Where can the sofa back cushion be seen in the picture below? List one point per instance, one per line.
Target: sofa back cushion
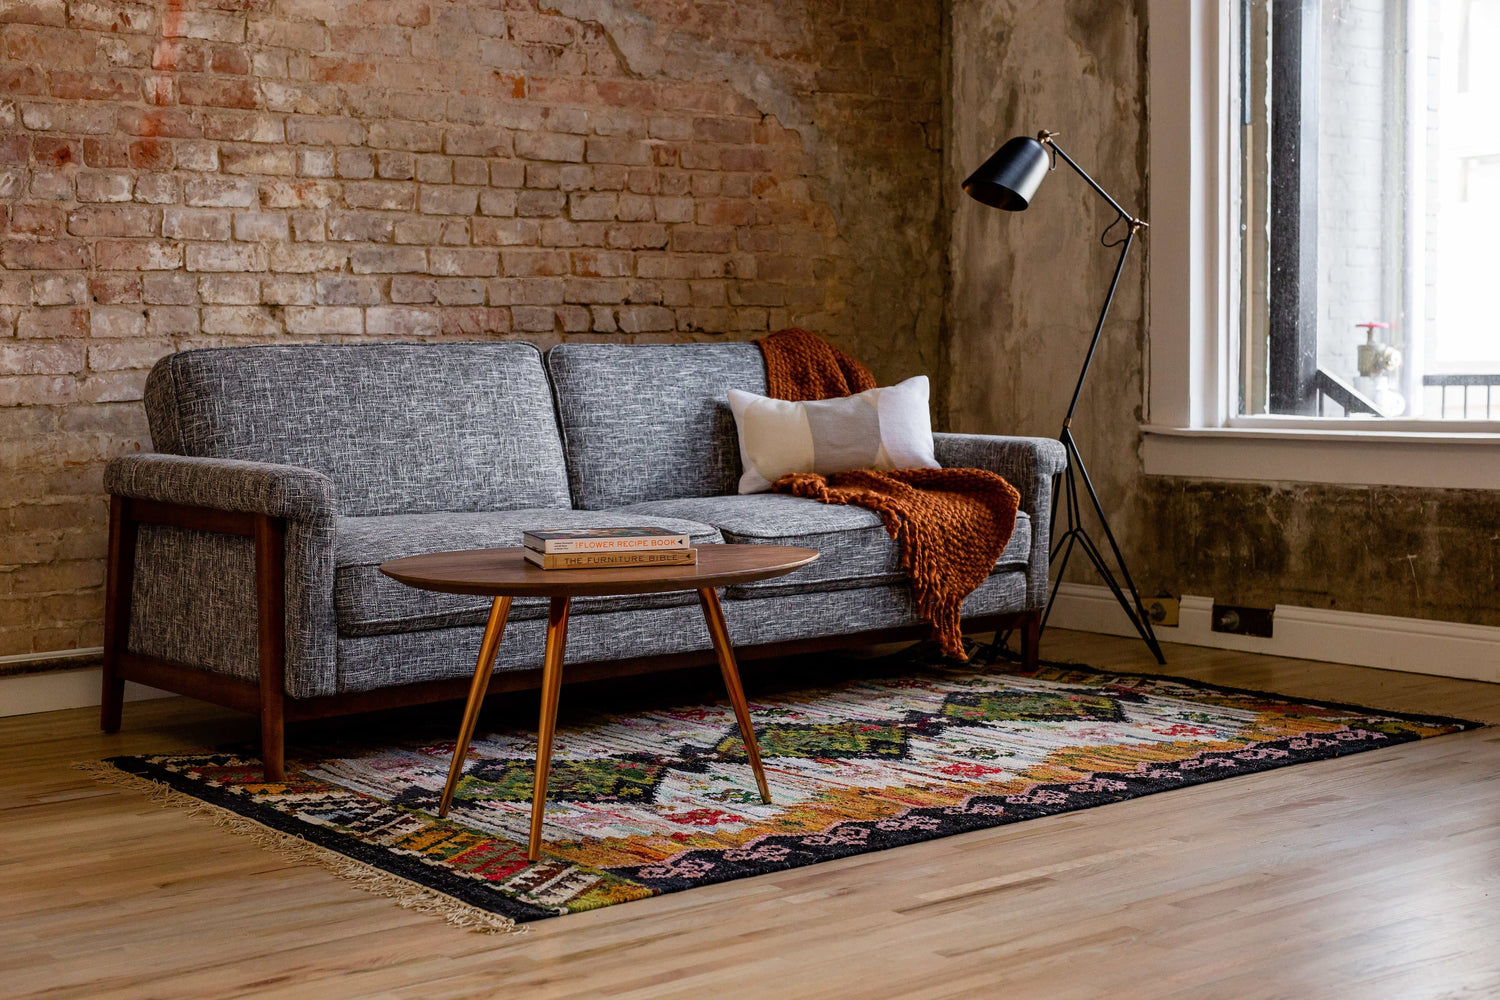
(400, 428)
(651, 421)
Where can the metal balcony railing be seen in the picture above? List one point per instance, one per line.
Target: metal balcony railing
(1467, 396)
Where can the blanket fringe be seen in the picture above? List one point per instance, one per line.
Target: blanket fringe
(408, 895)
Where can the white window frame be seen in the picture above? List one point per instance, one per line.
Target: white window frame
(1191, 429)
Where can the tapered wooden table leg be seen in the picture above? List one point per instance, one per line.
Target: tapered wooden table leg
(488, 648)
(552, 668)
(719, 632)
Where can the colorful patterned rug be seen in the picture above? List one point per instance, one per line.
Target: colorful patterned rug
(658, 801)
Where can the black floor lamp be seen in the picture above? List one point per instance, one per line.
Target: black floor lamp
(1007, 180)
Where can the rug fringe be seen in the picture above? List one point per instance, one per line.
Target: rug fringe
(408, 895)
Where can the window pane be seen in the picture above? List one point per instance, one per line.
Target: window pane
(1369, 158)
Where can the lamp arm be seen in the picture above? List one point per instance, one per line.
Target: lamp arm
(1046, 139)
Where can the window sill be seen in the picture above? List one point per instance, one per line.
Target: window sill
(1451, 460)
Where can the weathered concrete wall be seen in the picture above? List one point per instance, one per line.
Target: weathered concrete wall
(198, 172)
(1027, 286)
(1412, 553)
(1024, 293)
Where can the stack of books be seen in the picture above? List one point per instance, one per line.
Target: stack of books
(595, 548)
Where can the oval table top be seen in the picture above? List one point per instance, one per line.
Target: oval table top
(505, 572)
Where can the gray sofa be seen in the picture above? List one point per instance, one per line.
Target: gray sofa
(245, 552)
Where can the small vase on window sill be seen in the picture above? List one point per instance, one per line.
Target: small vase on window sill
(1378, 365)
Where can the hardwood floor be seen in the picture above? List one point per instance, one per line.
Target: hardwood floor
(1373, 876)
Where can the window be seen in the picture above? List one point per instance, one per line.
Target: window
(1196, 424)
(1365, 151)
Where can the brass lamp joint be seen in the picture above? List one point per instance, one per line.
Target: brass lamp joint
(1045, 137)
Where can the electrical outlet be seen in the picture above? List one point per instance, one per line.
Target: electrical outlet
(1238, 620)
(1162, 610)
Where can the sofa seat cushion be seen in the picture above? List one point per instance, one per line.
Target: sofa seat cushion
(367, 602)
(855, 550)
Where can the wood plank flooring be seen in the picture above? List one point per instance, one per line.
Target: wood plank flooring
(1374, 876)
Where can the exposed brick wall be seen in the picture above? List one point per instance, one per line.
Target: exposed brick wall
(177, 175)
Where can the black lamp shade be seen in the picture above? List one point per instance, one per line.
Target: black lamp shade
(1009, 178)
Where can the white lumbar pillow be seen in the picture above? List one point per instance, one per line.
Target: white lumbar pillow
(882, 428)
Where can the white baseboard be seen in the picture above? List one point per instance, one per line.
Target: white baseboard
(1416, 645)
(53, 690)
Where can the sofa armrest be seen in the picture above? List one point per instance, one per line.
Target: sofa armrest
(1028, 464)
(193, 591)
(286, 491)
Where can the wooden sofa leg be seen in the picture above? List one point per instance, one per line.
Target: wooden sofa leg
(117, 584)
(273, 740)
(270, 591)
(1031, 640)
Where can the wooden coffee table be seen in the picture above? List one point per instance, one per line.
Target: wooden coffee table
(505, 574)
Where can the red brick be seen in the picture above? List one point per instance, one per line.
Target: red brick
(220, 192)
(584, 206)
(692, 239)
(240, 126)
(219, 92)
(106, 153)
(112, 220)
(385, 195)
(346, 291)
(115, 288)
(22, 80)
(388, 260)
(533, 263)
(36, 390)
(225, 257)
(50, 12)
(54, 323)
(71, 86)
(51, 152)
(117, 321)
(324, 319)
(601, 264)
(550, 146)
(731, 130)
(540, 204)
(118, 355)
(164, 123)
(471, 263)
(15, 148)
(195, 224)
(41, 255)
(151, 154)
(230, 60)
(101, 186)
(638, 236)
(42, 357)
(505, 232)
(401, 321)
(448, 200)
(36, 220)
(628, 151)
(258, 160)
(137, 255)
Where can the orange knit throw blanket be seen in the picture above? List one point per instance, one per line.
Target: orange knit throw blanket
(951, 524)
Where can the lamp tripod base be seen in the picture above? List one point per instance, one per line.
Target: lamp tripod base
(1076, 535)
